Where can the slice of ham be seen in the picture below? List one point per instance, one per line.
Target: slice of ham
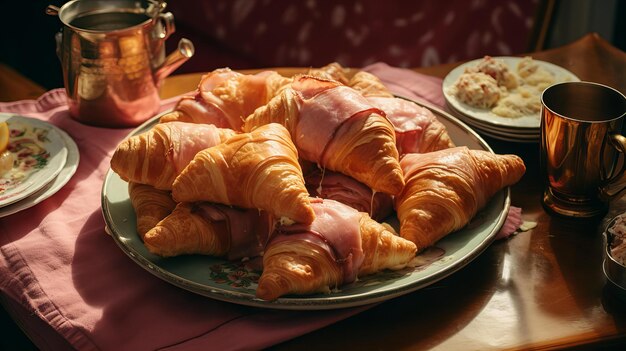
(202, 112)
(324, 107)
(336, 230)
(417, 129)
(349, 191)
(247, 229)
(187, 139)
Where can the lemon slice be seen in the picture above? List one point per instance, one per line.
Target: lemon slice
(4, 136)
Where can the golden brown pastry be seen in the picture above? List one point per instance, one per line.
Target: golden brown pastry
(210, 229)
(335, 127)
(339, 246)
(151, 205)
(251, 170)
(226, 97)
(445, 189)
(157, 156)
(333, 71)
(364, 82)
(369, 85)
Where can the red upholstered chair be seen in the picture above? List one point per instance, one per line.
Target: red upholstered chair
(269, 33)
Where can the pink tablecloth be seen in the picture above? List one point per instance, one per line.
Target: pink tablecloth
(59, 266)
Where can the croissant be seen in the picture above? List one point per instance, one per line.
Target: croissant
(446, 188)
(333, 71)
(340, 245)
(226, 97)
(157, 156)
(417, 129)
(369, 85)
(251, 170)
(335, 127)
(364, 82)
(210, 229)
(151, 205)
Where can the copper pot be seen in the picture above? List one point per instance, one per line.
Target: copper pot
(112, 54)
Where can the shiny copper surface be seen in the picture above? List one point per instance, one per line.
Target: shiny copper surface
(113, 59)
(581, 124)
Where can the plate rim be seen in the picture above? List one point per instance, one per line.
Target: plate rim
(487, 126)
(318, 301)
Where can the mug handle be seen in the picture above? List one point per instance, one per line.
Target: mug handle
(618, 142)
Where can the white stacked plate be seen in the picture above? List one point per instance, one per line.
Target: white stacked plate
(45, 160)
(523, 129)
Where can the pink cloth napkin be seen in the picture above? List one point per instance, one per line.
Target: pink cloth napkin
(58, 264)
(409, 84)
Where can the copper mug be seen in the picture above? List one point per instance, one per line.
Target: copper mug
(582, 148)
(112, 54)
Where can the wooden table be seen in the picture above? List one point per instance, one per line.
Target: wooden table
(541, 289)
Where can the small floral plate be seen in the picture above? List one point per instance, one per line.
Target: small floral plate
(68, 171)
(39, 156)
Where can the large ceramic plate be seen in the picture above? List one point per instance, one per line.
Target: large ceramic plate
(485, 115)
(236, 283)
(68, 170)
(40, 152)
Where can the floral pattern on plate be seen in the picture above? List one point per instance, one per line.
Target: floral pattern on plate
(39, 155)
(30, 155)
(68, 171)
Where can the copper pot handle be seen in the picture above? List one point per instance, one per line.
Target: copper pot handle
(167, 23)
(52, 10)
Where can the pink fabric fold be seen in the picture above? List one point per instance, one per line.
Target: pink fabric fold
(409, 84)
(58, 264)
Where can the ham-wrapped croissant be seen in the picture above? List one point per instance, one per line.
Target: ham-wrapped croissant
(225, 97)
(151, 205)
(259, 169)
(445, 189)
(157, 156)
(339, 246)
(210, 229)
(417, 128)
(335, 127)
(364, 82)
